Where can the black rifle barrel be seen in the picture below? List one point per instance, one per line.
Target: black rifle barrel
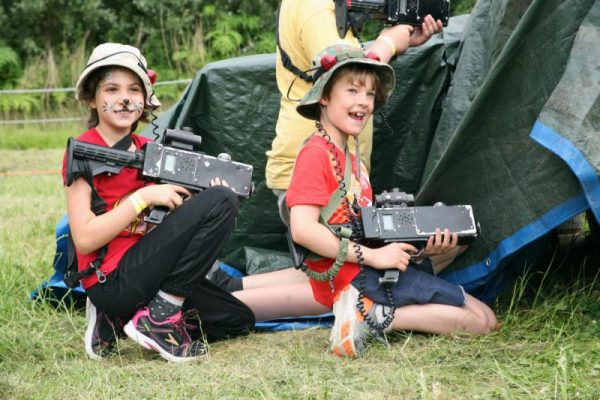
(122, 158)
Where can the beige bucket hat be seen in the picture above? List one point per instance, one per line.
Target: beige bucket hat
(122, 55)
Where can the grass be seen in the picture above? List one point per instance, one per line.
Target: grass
(43, 136)
(39, 136)
(549, 346)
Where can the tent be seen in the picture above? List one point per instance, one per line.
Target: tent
(502, 112)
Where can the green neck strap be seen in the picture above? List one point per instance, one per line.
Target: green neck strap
(338, 196)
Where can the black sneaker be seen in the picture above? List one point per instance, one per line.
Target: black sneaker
(101, 333)
(193, 324)
(169, 338)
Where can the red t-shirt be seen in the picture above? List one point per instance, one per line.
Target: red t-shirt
(313, 183)
(113, 188)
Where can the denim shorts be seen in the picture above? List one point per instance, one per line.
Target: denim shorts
(417, 285)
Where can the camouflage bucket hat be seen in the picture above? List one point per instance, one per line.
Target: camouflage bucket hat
(330, 60)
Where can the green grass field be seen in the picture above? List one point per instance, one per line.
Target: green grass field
(548, 347)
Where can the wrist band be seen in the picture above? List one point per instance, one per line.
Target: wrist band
(138, 202)
(390, 43)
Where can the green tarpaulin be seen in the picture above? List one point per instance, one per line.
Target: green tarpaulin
(233, 105)
(501, 112)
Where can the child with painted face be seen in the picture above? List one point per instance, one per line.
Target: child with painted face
(148, 277)
(343, 274)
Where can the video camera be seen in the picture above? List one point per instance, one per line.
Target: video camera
(393, 218)
(354, 13)
(176, 160)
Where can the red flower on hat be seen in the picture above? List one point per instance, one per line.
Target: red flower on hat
(328, 61)
(152, 76)
(373, 56)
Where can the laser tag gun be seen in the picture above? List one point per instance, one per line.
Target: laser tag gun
(354, 13)
(176, 160)
(393, 218)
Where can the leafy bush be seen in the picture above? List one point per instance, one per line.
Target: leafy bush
(53, 38)
(10, 67)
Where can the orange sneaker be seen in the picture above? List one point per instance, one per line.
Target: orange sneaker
(350, 331)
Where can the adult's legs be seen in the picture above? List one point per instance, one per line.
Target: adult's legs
(286, 300)
(274, 278)
(283, 293)
(277, 294)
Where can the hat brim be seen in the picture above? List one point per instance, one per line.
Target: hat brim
(309, 105)
(151, 100)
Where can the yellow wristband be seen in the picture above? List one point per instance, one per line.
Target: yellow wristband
(138, 202)
(390, 43)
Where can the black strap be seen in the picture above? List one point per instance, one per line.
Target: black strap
(73, 276)
(342, 21)
(98, 203)
(285, 58)
(124, 143)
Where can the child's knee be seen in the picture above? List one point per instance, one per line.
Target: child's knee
(482, 319)
(485, 325)
(477, 324)
(227, 196)
(218, 198)
(490, 316)
(492, 321)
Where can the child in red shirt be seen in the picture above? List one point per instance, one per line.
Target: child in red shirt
(145, 275)
(351, 87)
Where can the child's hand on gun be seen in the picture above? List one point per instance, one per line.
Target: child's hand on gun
(167, 195)
(440, 243)
(393, 255)
(218, 182)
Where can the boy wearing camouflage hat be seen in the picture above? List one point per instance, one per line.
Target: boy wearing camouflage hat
(328, 185)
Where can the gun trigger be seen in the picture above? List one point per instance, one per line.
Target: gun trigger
(419, 257)
(389, 278)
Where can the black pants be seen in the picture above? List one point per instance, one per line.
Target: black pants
(175, 257)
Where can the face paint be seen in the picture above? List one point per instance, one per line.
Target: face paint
(120, 101)
(107, 77)
(138, 107)
(108, 107)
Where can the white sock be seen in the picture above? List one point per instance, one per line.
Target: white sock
(170, 298)
(380, 309)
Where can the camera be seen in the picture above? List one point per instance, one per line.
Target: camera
(395, 12)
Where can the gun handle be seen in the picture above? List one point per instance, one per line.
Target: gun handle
(389, 278)
(157, 214)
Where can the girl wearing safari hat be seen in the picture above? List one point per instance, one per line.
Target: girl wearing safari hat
(141, 279)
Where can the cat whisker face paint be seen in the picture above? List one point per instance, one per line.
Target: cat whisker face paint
(119, 100)
(108, 107)
(127, 107)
